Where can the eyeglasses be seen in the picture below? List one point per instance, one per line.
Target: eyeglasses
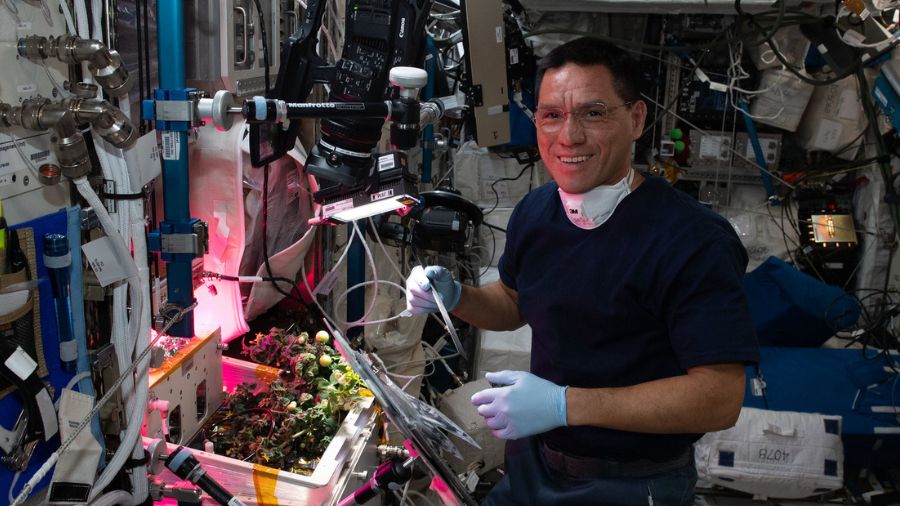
(593, 115)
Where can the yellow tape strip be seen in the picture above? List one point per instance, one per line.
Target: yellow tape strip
(264, 480)
(266, 374)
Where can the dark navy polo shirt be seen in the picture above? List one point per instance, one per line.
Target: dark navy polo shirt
(655, 290)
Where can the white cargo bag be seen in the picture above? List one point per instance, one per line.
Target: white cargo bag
(780, 454)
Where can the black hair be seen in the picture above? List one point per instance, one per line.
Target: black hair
(586, 51)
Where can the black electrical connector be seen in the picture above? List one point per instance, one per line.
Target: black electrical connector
(183, 463)
(391, 471)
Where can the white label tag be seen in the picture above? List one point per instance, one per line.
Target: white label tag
(341, 205)
(828, 134)
(849, 107)
(171, 145)
(498, 34)
(21, 363)
(100, 255)
(385, 162)
(36, 148)
(26, 88)
(489, 185)
(710, 146)
(382, 194)
(73, 407)
(147, 151)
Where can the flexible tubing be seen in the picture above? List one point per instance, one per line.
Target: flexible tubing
(78, 377)
(375, 282)
(114, 498)
(129, 210)
(139, 243)
(81, 20)
(130, 333)
(97, 11)
(67, 13)
(371, 259)
(134, 419)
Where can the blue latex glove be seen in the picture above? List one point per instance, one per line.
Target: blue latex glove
(421, 285)
(528, 405)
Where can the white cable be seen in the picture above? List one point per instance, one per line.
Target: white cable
(59, 89)
(704, 132)
(346, 250)
(71, 385)
(428, 360)
(141, 485)
(141, 361)
(67, 13)
(131, 225)
(397, 270)
(443, 360)
(12, 486)
(420, 495)
(81, 20)
(309, 289)
(133, 430)
(97, 12)
(135, 417)
(24, 158)
(371, 258)
(363, 321)
(403, 498)
(384, 250)
(736, 73)
(122, 336)
(343, 325)
(114, 498)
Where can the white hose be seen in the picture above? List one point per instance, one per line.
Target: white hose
(84, 31)
(71, 384)
(124, 342)
(81, 20)
(129, 334)
(139, 242)
(75, 379)
(135, 415)
(371, 259)
(97, 11)
(67, 13)
(114, 498)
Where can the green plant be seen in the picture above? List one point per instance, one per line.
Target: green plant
(289, 424)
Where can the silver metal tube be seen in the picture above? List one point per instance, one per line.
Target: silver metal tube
(64, 119)
(109, 23)
(105, 64)
(106, 119)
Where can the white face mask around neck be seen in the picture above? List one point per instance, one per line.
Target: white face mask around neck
(591, 209)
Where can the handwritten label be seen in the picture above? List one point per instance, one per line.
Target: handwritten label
(148, 157)
(101, 256)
